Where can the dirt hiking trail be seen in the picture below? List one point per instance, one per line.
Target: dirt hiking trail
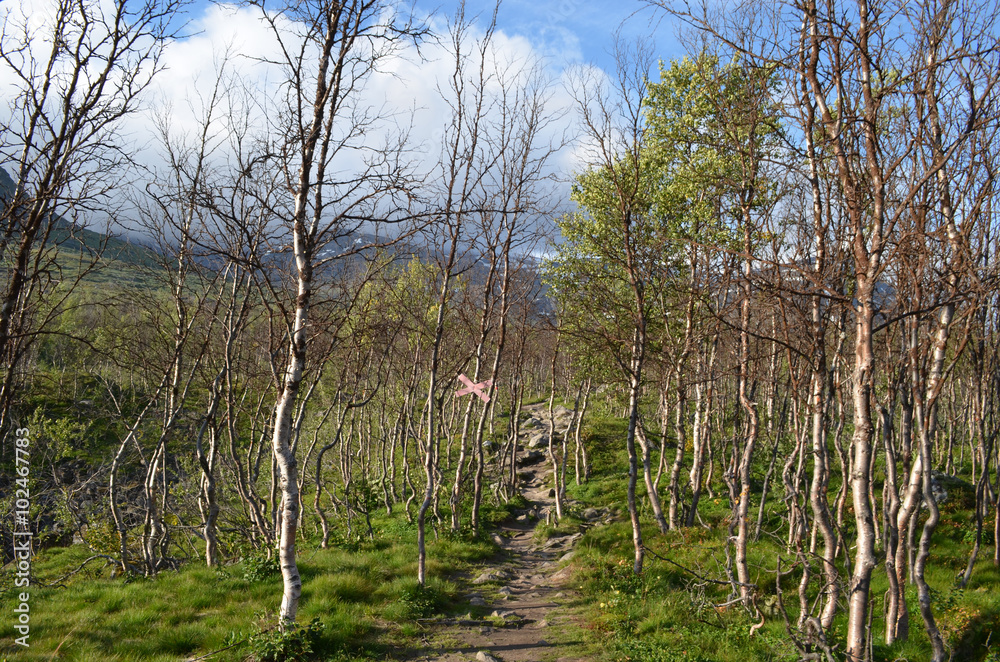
(523, 607)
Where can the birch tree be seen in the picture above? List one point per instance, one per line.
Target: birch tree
(326, 51)
(856, 66)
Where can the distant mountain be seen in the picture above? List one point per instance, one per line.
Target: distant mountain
(127, 262)
(79, 246)
(6, 185)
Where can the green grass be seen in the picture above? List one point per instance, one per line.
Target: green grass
(670, 613)
(365, 596)
(367, 601)
(569, 525)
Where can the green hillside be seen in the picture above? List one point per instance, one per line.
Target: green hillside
(100, 257)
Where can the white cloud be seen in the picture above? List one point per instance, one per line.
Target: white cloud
(405, 91)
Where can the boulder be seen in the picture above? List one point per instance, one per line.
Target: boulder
(539, 440)
(938, 487)
(597, 514)
(563, 575)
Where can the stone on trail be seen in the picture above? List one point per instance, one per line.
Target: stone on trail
(562, 541)
(493, 575)
(531, 457)
(483, 656)
(563, 574)
(539, 440)
(503, 613)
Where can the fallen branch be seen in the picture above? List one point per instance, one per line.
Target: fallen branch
(698, 575)
(59, 582)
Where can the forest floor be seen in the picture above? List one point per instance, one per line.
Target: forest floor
(522, 607)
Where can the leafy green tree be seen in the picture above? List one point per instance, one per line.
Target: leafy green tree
(621, 248)
(678, 172)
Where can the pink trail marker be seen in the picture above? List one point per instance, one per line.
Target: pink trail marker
(479, 389)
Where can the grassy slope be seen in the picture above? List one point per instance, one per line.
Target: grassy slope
(365, 595)
(76, 248)
(366, 598)
(107, 260)
(668, 614)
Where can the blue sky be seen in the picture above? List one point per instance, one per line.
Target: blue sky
(577, 31)
(566, 31)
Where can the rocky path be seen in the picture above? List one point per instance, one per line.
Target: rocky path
(522, 608)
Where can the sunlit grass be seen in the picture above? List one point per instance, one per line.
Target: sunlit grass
(672, 612)
(363, 593)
